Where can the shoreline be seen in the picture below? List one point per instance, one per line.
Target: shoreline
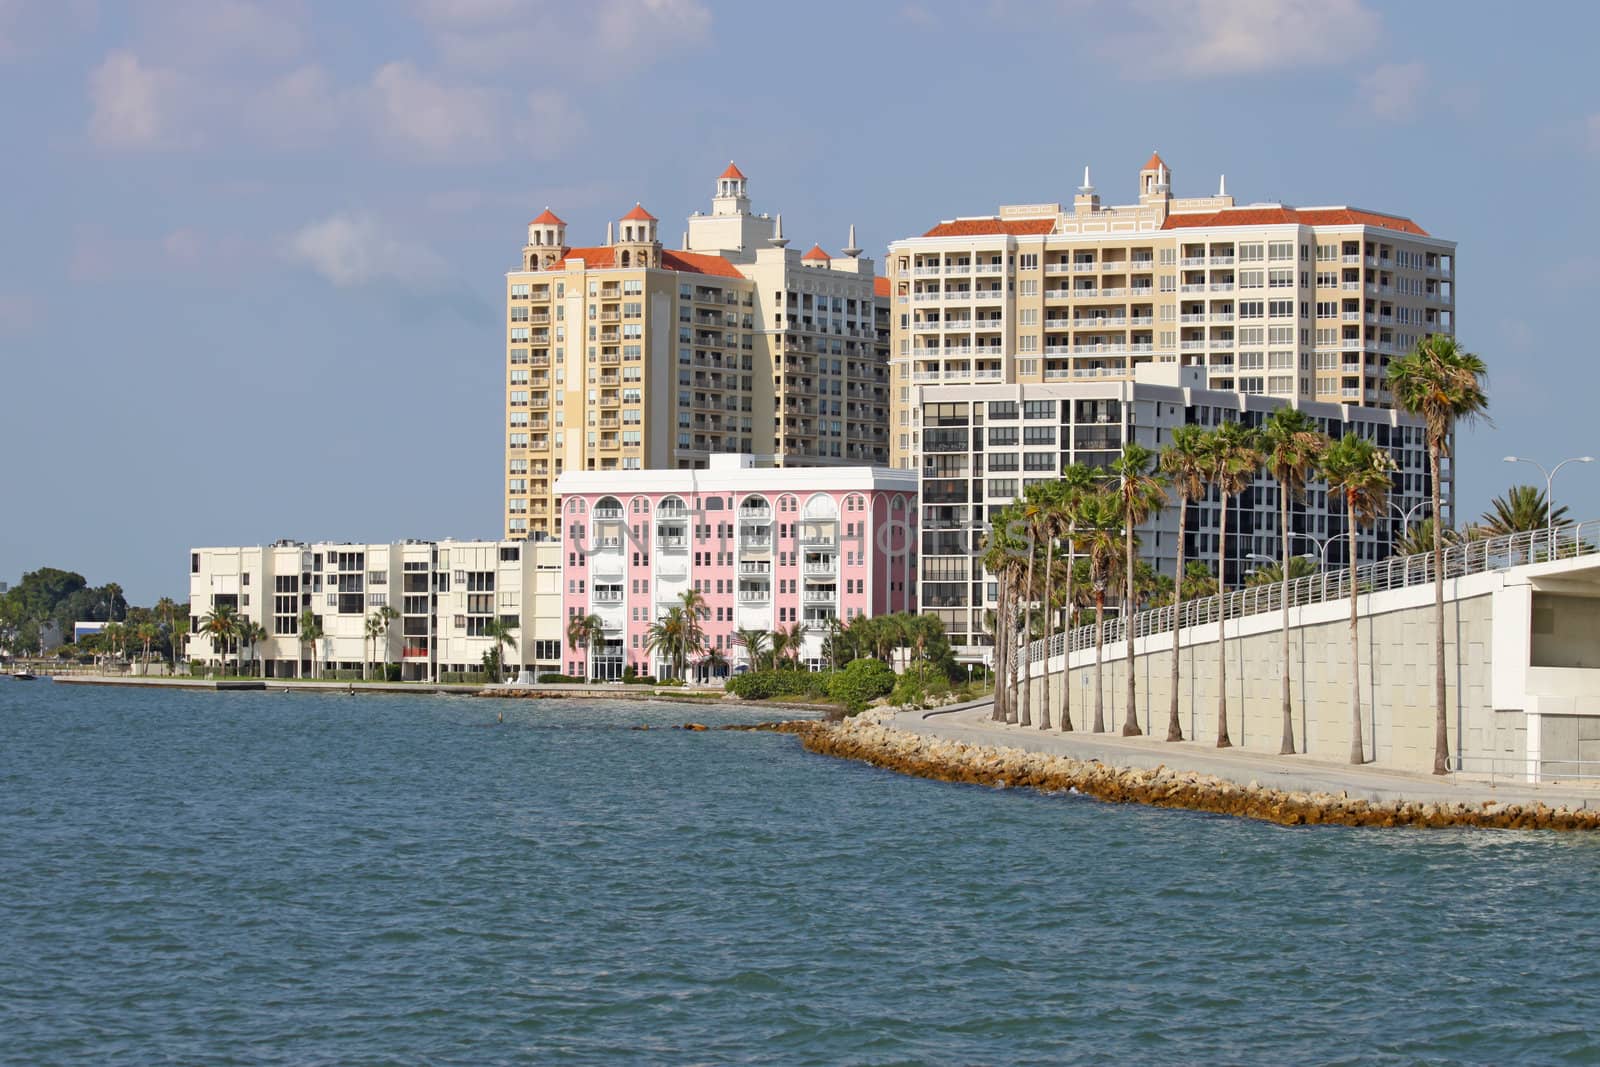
(671, 694)
(877, 739)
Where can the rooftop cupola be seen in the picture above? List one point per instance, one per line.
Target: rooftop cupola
(637, 242)
(547, 236)
(733, 196)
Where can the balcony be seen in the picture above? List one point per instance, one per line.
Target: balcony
(755, 568)
(603, 514)
(761, 542)
(755, 595)
(671, 542)
(757, 513)
(608, 596)
(822, 565)
(821, 596)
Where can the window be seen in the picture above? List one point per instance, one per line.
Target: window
(1250, 309)
(1250, 253)
(1277, 250)
(1280, 279)
(1251, 279)
(1280, 309)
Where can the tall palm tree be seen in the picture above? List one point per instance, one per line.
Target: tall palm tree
(1077, 479)
(676, 637)
(1445, 384)
(1235, 458)
(147, 632)
(221, 623)
(1034, 512)
(386, 615)
(310, 634)
(1140, 494)
(167, 609)
(757, 645)
(251, 633)
(1292, 445)
(1359, 470)
(370, 631)
(1001, 547)
(1099, 524)
(1186, 461)
(1521, 510)
(1272, 574)
(502, 631)
(587, 632)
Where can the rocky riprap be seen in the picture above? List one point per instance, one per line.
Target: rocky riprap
(865, 738)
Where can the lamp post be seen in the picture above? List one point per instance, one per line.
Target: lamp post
(1405, 516)
(1549, 490)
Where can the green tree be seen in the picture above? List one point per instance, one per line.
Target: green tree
(1359, 471)
(1235, 457)
(502, 630)
(1523, 509)
(1419, 539)
(310, 634)
(675, 637)
(251, 634)
(1187, 462)
(1077, 481)
(1444, 384)
(757, 645)
(587, 632)
(1099, 526)
(1003, 548)
(1272, 574)
(1292, 446)
(1140, 494)
(167, 610)
(221, 624)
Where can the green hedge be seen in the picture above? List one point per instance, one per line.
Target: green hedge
(464, 678)
(561, 679)
(764, 685)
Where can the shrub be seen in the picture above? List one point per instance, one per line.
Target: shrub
(764, 685)
(561, 679)
(637, 679)
(909, 692)
(673, 681)
(862, 682)
(391, 672)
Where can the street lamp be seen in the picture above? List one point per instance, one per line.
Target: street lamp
(1549, 485)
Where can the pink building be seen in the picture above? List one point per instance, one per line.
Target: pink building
(766, 547)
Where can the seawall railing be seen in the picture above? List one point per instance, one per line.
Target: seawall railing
(1397, 572)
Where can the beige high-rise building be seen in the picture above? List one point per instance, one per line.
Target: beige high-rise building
(630, 355)
(1297, 303)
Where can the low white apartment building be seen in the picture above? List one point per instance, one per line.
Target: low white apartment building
(444, 593)
(983, 445)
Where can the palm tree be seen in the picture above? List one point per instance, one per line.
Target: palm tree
(1445, 385)
(502, 631)
(1291, 445)
(1139, 495)
(675, 637)
(1419, 539)
(1272, 574)
(385, 615)
(1002, 548)
(373, 627)
(1523, 509)
(587, 632)
(221, 623)
(310, 634)
(1034, 513)
(167, 608)
(147, 632)
(757, 645)
(1187, 462)
(1099, 523)
(1198, 581)
(1077, 480)
(713, 663)
(251, 633)
(1235, 457)
(1358, 469)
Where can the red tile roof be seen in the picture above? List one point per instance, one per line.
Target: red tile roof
(603, 257)
(638, 214)
(983, 227)
(1267, 216)
(880, 286)
(732, 172)
(817, 253)
(547, 218)
(1155, 162)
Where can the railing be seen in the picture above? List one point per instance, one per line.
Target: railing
(1396, 572)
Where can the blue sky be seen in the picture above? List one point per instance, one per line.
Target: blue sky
(255, 251)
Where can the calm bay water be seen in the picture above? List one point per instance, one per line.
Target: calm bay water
(285, 878)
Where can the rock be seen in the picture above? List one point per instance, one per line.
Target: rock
(695, 726)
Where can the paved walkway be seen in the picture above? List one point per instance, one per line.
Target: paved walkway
(1297, 773)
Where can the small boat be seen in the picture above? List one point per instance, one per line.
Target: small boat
(23, 676)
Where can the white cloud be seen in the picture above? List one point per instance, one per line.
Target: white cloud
(133, 105)
(1204, 38)
(350, 250)
(419, 113)
(1394, 91)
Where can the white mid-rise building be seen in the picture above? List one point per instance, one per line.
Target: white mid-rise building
(445, 595)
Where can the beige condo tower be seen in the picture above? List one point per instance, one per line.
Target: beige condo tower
(629, 355)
